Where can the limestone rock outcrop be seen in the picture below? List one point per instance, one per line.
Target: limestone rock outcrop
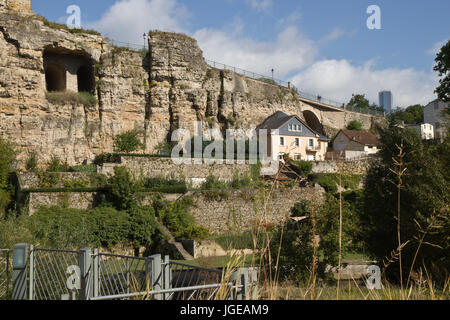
(154, 92)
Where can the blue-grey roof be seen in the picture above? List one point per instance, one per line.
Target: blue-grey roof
(279, 118)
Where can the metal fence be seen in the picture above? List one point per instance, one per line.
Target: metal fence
(89, 275)
(50, 272)
(309, 96)
(118, 274)
(5, 274)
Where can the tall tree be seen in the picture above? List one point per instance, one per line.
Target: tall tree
(359, 101)
(443, 68)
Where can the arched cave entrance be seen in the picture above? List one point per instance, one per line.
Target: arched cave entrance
(55, 77)
(313, 122)
(85, 79)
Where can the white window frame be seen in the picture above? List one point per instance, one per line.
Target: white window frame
(297, 142)
(281, 156)
(297, 157)
(282, 141)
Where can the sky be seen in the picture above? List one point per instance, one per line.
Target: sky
(323, 47)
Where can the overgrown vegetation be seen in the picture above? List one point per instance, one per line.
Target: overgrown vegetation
(128, 142)
(69, 97)
(55, 25)
(355, 125)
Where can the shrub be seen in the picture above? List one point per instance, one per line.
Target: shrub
(7, 158)
(127, 142)
(355, 125)
(240, 183)
(296, 251)
(180, 223)
(60, 228)
(56, 165)
(302, 168)
(109, 226)
(31, 162)
(213, 183)
(144, 229)
(123, 188)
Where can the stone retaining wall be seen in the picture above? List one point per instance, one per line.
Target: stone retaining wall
(245, 208)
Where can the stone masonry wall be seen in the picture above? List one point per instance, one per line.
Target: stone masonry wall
(243, 209)
(166, 168)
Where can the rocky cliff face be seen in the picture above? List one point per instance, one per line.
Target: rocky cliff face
(152, 92)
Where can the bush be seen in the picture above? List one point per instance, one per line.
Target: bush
(144, 229)
(302, 168)
(180, 223)
(355, 125)
(123, 189)
(213, 183)
(109, 226)
(127, 142)
(56, 165)
(296, 252)
(31, 162)
(61, 228)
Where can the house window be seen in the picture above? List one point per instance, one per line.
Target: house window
(281, 141)
(281, 156)
(297, 142)
(297, 157)
(290, 127)
(311, 143)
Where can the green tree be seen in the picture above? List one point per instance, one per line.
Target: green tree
(359, 101)
(127, 142)
(443, 68)
(7, 158)
(295, 255)
(411, 115)
(355, 125)
(424, 202)
(123, 188)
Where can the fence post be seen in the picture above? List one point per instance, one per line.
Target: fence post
(236, 280)
(95, 274)
(167, 279)
(31, 281)
(19, 274)
(156, 273)
(85, 264)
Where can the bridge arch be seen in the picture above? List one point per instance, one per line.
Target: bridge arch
(313, 121)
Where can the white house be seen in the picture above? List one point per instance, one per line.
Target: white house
(292, 136)
(425, 130)
(432, 115)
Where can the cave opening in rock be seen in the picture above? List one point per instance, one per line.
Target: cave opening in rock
(85, 79)
(55, 77)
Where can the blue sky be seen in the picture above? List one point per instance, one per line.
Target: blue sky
(322, 46)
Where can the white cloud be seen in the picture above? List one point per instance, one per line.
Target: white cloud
(290, 52)
(339, 79)
(335, 34)
(127, 20)
(260, 5)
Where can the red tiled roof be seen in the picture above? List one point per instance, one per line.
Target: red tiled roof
(362, 137)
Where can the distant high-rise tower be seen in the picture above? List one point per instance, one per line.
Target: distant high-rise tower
(386, 100)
